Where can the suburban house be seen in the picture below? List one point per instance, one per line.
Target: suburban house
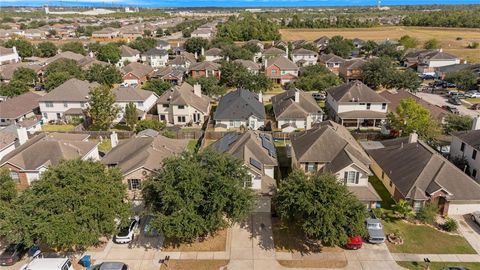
(29, 160)
(259, 156)
(131, 33)
(251, 66)
(129, 55)
(441, 72)
(19, 108)
(466, 144)
(184, 104)
(303, 57)
(396, 96)
(272, 53)
(213, 54)
(202, 33)
(240, 108)
(413, 171)
(322, 42)
(140, 156)
(332, 62)
(356, 105)
(67, 55)
(185, 60)
(281, 70)
(330, 148)
(163, 45)
(427, 61)
(7, 70)
(174, 75)
(351, 70)
(155, 58)
(260, 46)
(143, 100)
(136, 73)
(105, 33)
(204, 69)
(11, 137)
(8, 55)
(67, 100)
(295, 109)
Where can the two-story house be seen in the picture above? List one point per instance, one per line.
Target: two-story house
(136, 73)
(105, 34)
(19, 108)
(271, 53)
(303, 57)
(281, 70)
(155, 58)
(184, 60)
(330, 148)
(332, 62)
(204, 69)
(466, 145)
(140, 156)
(29, 160)
(250, 65)
(129, 55)
(68, 99)
(9, 55)
(295, 109)
(240, 108)
(213, 54)
(429, 62)
(356, 105)
(352, 70)
(259, 156)
(143, 100)
(184, 104)
(174, 75)
(163, 45)
(322, 42)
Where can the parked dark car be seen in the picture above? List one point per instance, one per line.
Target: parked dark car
(319, 96)
(427, 77)
(454, 101)
(12, 254)
(455, 268)
(475, 107)
(451, 109)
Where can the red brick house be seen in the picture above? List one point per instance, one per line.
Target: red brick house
(204, 69)
(281, 70)
(136, 73)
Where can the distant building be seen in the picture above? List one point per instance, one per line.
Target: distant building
(8, 55)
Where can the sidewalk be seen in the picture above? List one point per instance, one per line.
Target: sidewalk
(436, 257)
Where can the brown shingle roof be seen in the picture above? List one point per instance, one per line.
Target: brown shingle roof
(18, 106)
(205, 65)
(184, 95)
(283, 63)
(126, 51)
(123, 94)
(73, 90)
(137, 69)
(355, 90)
(285, 107)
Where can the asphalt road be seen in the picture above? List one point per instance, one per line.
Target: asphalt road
(441, 100)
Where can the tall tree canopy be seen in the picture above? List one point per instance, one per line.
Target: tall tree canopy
(197, 194)
(236, 75)
(102, 109)
(463, 79)
(109, 53)
(322, 206)
(60, 71)
(195, 45)
(46, 49)
(74, 46)
(457, 122)
(104, 74)
(247, 27)
(210, 86)
(339, 46)
(24, 47)
(316, 78)
(71, 206)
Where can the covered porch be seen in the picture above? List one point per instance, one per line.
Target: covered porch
(362, 119)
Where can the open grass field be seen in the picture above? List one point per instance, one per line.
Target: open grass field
(446, 36)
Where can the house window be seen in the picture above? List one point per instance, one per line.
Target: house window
(362, 104)
(310, 167)
(368, 106)
(391, 184)
(162, 117)
(383, 175)
(417, 205)
(65, 104)
(384, 106)
(180, 107)
(181, 119)
(82, 104)
(274, 72)
(134, 184)
(140, 104)
(462, 147)
(474, 173)
(474, 154)
(351, 177)
(165, 105)
(49, 104)
(231, 123)
(247, 182)
(15, 177)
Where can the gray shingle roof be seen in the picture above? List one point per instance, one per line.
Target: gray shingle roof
(249, 64)
(239, 105)
(137, 69)
(72, 90)
(355, 90)
(184, 95)
(303, 51)
(131, 94)
(285, 107)
(205, 65)
(18, 106)
(471, 137)
(128, 52)
(283, 63)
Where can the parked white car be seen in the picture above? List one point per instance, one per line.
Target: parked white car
(127, 234)
(476, 217)
(473, 94)
(40, 263)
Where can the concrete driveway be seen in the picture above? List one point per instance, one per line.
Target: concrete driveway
(470, 230)
(439, 100)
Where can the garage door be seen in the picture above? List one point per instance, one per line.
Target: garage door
(462, 209)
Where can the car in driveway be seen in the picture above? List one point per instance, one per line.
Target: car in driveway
(12, 254)
(319, 96)
(475, 216)
(127, 233)
(473, 94)
(454, 101)
(475, 107)
(451, 109)
(455, 268)
(376, 235)
(110, 266)
(354, 242)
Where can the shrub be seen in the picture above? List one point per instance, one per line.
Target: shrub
(149, 124)
(427, 214)
(450, 225)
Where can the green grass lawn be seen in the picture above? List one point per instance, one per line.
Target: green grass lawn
(192, 145)
(422, 239)
(387, 200)
(53, 128)
(473, 100)
(438, 265)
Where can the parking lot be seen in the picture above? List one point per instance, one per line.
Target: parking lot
(440, 101)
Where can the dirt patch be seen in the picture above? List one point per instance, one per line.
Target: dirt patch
(312, 263)
(194, 264)
(217, 242)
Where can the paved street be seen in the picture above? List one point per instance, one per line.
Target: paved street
(440, 101)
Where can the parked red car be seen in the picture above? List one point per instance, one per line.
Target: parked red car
(354, 242)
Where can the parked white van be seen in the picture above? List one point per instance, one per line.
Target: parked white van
(49, 264)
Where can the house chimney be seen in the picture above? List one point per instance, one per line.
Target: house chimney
(114, 139)
(440, 50)
(22, 135)
(260, 97)
(203, 51)
(476, 123)
(297, 95)
(413, 138)
(286, 51)
(197, 90)
(196, 55)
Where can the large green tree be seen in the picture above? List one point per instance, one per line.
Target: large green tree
(406, 79)
(411, 116)
(321, 206)
(431, 44)
(210, 86)
(26, 75)
(24, 47)
(46, 49)
(13, 88)
(103, 74)
(109, 53)
(197, 194)
(102, 110)
(143, 44)
(457, 122)
(247, 27)
(74, 46)
(339, 46)
(316, 78)
(8, 191)
(60, 71)
(408, 42)
(463, 79)
(195, 45)
(130, 115)
(378, 72)
(157, 86)
(236, 75)
(71, 206)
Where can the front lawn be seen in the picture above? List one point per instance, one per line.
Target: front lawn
(387, 200)
(438, 265)
(473, 100)
(194, 264)
(61, 128)
(213, 243)
(192, 146)
(422, 239)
